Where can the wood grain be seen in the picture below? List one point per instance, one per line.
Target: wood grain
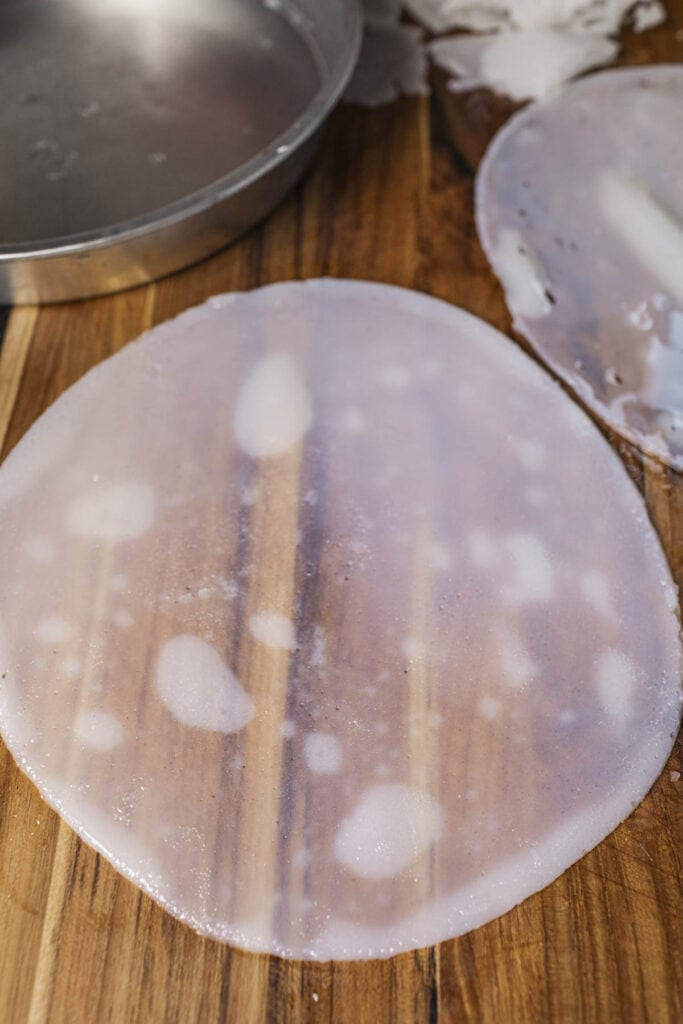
(390, 199)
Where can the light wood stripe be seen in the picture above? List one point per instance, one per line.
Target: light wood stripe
(13, 356)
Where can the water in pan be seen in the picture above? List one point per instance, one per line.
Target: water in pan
(114, 109)
(315, 623)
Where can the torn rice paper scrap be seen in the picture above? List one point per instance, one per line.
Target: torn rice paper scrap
(529, 49)
(591, 17)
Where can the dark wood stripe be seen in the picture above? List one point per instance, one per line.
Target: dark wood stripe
(4, 317)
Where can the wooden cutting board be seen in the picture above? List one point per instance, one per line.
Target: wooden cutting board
(389, 199)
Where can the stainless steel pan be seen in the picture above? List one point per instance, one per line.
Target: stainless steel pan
(138, 136)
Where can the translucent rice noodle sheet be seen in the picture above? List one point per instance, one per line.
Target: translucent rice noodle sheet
(580, 211)
(331, 621)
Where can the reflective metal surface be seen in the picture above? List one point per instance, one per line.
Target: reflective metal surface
(140, 135)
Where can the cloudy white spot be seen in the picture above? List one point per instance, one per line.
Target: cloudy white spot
(123, 619)
(98, 730)
(439, 557)
(482, 549)
(517, 667)
(287, 729)
(273, 629)
(533, 577)
(390, 827)
(615, 680)
(71, 668)
(118, 511)
(53, 630)
(39, 549)
(198, 688)
(489, 708)
(273, 408)
(353, 421)
(323, 753)
(596, 591)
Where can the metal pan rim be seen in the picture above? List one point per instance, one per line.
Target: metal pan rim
(241, 178)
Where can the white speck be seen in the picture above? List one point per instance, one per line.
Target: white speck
(315, 997)
(323, 753)
(481, 549)
(615, 681)
(98, 730)
(71, 668)
(640, 318)
(301, 858)
(530, 452)
(533, 575)
(204, 593)
(273, 629)
(391, 825)
(412, 648)
(318, 656)
(489, 707)
(117, 511)
(395, 378)
(439, 557)
(118, 583)
(39, 549)
(229, 588)
(198, 688)
(595, 590)
(274, 408)
(310, 497)
(517, 667)
(288, 729)
(675, 776)
(249, 495)
(123, 619)
(156, 159)
(353, 420)
(53, 630)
